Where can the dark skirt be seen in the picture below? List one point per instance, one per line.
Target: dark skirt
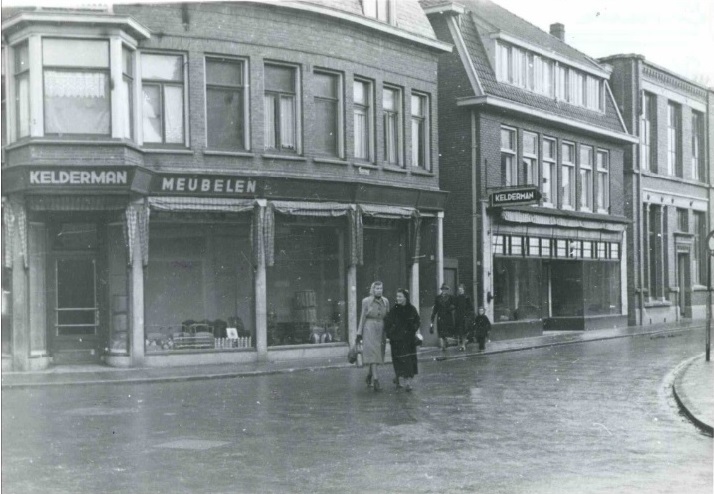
(404, 358)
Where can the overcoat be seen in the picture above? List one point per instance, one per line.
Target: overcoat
(463, 314)
(443, 312)
(401, 326)
(371, 327)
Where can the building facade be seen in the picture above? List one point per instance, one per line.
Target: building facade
(520, 110)
(668, 184)
(214, 182)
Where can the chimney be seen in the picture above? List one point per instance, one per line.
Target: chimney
(558, 30)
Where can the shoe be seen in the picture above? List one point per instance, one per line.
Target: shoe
(377, 387)
(396, 382)
(369, 379)
(408, 388)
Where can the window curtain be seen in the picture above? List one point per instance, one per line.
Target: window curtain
(287, 122)
(76, 102)
(14, 222)
(361, 141)
(269, 108)
(23, 106)
(173, 109)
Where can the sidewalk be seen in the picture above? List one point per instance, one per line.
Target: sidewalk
(694, 393)
(98, 374)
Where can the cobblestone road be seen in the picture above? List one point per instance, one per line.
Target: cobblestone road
(583, 418)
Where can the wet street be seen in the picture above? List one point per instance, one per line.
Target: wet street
(583, 418)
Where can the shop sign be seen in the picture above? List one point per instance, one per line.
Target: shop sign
(515, 196)
(213, 185)
(79, 177)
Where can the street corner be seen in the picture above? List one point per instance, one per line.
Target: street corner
(693, 392)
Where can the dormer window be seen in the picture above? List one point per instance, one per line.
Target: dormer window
(382, 10)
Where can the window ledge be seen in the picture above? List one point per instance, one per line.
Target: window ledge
(284, 157)
(394, 169)
(167, 151)
(657, 303)
(371, 166)
(699, 288)
(423, 173)
(211, 152)
(331, 161)
(73, 142)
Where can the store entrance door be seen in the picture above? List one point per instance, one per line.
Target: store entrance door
(684, 287)
(74, 317)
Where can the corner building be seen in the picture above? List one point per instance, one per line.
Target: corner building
(668, 188)
(201, 183)
(519, 108)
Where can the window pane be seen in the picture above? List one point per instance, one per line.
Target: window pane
(418, 105)
(326, 126)
(507, 139)
(162, 67)
(287, 122)
(127, 107)
(548, 149)
(586, 156)
(360, 93)
(517, 289)
(567, 152)
(567, 185)
(361, 135)
(22, 95)
(173, 107)
(127, 61)
(417, 142)
(279, 78)
(152, 114)
(76, 102)
(530, 144)
(389, 99)
(224, 73)
(270, 102)
(75, 53)
(602, 161)
(325, 85)
(224, 110)
(22, 58)
(391, 137)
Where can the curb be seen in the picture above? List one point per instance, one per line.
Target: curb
(679, 372)
(289, 370)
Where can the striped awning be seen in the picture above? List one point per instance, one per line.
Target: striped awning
(202, 204)
(391, 212)
(545, 220)
(75, 203)
(305, 208)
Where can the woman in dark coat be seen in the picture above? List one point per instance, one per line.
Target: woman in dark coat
(402, 324)
(482, 326)
(443, 312)
(463, 316)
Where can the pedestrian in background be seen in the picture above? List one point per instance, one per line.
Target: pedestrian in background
(482, 325)
(371, 331)
(463, 315)
(443, 312)
(401, 325)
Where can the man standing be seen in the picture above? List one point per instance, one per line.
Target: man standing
(443, 312)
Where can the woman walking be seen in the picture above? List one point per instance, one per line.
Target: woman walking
(443, 312)
(371, 331)
(483, 326)
(463, 316)
(402, 324)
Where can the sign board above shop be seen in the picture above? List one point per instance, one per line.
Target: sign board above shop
(514, 196)
(75, 179)
(212, 185)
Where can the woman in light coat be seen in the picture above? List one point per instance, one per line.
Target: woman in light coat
(371, 331)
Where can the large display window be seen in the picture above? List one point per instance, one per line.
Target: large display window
(199, 290)
(306, 286)
(384, 259)
(590, 288)
(518, 287)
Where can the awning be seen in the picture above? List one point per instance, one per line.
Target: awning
(202, 204)
(75, 203)
(545, 220)
(305, 208)
(390, 212)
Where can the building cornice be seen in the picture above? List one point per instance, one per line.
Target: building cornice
(125, 23)
(496, 102)
(673, 81)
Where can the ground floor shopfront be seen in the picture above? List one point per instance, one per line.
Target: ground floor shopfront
(553, 272)
(159, 280)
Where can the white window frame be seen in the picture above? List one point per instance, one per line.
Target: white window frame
(602, 202)
(298, 107)
(381, 10)
(586, 178)
(245, 87)
(369, 115)
(399, 93)
(646, 127)
(340, 151)
(510, 170)
(13, 112)
(530, 161)
(568, 166)
(550, 163)
(426, 119)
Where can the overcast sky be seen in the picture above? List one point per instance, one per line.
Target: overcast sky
(678, 35)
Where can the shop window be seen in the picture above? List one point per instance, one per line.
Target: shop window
(517, 289)
(533, 246)
(549, 187)
(674, 139)
(601, 288)
(226, 103)
(509, 171)
(76, 86)
(587, 250)
(603, 181)
(498, 244)
(530, 170)
(281, 107)
(567, 192)
(22, 89)
(328, 113)
(516, 246)
(384, 259)
(575, 249)
(420, 131)
(162, 79)
(363, 120)
(392, 107)
(74, 236)
(561, 248)
(306, 285)
(614, 251)
(199, 283)
(567, 288)
(586, 178)
(601, 250)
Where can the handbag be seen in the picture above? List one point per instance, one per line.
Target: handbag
(352, 354)
(418, 339)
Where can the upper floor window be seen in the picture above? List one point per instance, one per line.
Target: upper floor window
(698, 171)
(281, 123)
(328, 113)
(530, 158)
(509, 171)
(579, 89)
(603, 181)
(127, 66)
(550, 174)
(363, 119)
(674, 139)
(226, 108)
(649, 110)
(567, 174)
(420, 131)
(521, 68)
(392, 107)
(586, 178)
(162, 81)
(76, 86)
(683, 220)
(382, 10)
(22, 89)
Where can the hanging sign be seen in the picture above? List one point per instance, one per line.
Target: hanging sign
(515, 196)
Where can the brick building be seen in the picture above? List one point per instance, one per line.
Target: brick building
(667, 189)
(520, 109)
(214, 182)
